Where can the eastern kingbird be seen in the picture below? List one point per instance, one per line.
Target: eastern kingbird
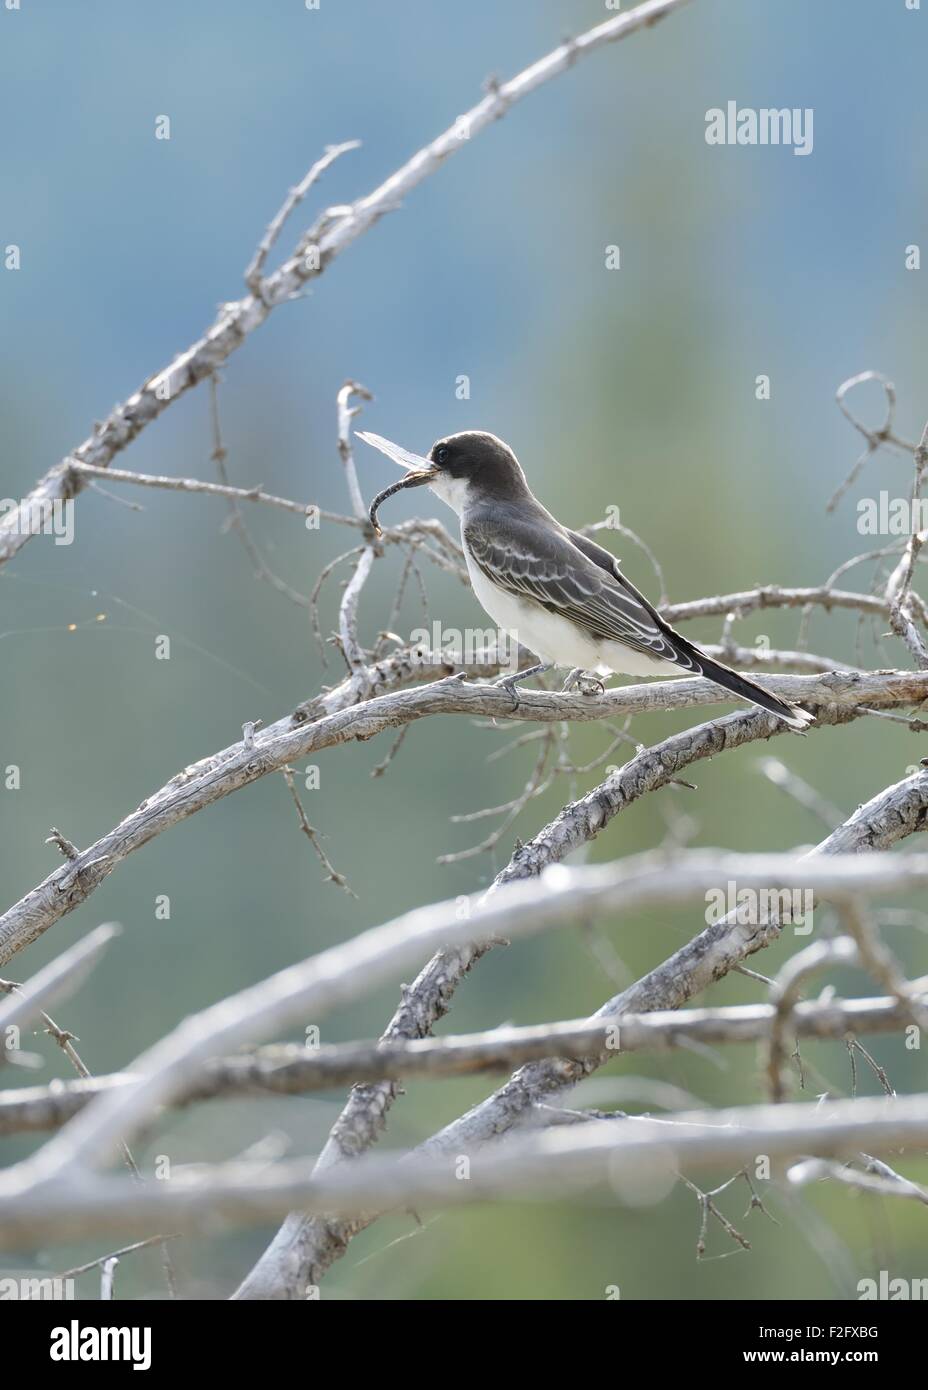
(553, 590)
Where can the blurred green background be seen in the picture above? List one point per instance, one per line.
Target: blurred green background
(633, 388)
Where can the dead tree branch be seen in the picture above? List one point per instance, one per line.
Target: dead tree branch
(292, 1069)
(612, 1156)
(316, 249)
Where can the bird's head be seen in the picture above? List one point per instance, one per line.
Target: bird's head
(456, 467)
(474, 461)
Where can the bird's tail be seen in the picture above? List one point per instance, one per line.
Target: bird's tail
(731, 680)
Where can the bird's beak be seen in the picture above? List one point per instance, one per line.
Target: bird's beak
(419, 471)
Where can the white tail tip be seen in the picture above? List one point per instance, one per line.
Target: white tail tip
(799, 719)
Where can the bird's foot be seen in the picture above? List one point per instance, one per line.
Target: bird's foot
(587, 682)
(509, 683)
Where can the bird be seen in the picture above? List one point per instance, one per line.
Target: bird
(553, 590)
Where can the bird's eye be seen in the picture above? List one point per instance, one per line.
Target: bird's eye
(441, 455)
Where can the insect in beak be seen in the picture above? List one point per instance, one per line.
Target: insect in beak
(419, 471)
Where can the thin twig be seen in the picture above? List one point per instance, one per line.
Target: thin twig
(332, 874)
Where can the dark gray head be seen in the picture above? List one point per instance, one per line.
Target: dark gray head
(476, 458)
(458, 468)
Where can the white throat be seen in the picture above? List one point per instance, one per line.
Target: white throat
(453, 491)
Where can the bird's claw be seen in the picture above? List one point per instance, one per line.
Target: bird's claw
(586, 683)
(508, 684)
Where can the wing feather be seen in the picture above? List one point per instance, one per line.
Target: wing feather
(544, 564)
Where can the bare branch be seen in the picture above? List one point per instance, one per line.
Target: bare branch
(785, 994)
(899, 588)
(305, 1247)
(314, 838)
(316, 986)
(55, 981)
(883, 1181)
(875, 438)
(254, 275)
(314, 253)
(197, 485)
(560, 1162)
(888, 817)
(292, 1069)
(771, 596)
(346, 413)
(881, 964)
(837, 698)
(112, 1255)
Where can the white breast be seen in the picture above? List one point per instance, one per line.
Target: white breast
(551, 637)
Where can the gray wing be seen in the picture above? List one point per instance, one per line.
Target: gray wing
(547, 564)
